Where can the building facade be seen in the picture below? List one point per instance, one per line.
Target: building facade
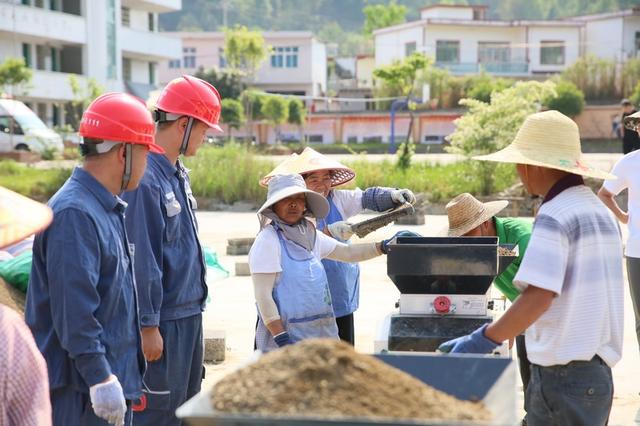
(462, 40)
(115, 42)
(295, 65)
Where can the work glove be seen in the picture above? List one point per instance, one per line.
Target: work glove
(107, 400)
(341, 230)
(474, 343)
(283, 339)
(401, 196)
(384, 244)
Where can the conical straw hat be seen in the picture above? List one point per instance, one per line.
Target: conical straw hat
(465, 213)
(310, 161)
(632, 122)
(548, 139)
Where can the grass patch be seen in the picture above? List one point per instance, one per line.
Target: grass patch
(34, 183)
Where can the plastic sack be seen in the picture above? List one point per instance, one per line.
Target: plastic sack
(16, 271)
(215, 271)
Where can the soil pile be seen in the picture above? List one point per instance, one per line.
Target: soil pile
(327, 378)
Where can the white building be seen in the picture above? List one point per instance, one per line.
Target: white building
(297, 63)
(116, 42)
(461, 39)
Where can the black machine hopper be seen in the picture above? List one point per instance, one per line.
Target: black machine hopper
(445, 265)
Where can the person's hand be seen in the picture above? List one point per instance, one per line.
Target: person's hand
(384, 244)
(401, 196)
(340, 230)
(107, 401)
(474, 343)
(152, 343)
(624, 218)
(283, 339)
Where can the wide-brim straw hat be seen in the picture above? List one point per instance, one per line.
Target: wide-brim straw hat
(548, 139)
(632, 122)
(466, 213)
(283, 186)
(20, 217)
(310, 161)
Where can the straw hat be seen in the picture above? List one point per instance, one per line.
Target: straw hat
(283, 186)
(632, 122)
(548, 139)
(465, 213)
(20, 217)
(310, 161)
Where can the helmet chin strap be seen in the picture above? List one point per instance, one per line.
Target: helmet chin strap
(186, 136)
(126, 177)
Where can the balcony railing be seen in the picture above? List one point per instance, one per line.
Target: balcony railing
(150, 45)
(501, 68)
(42, 24)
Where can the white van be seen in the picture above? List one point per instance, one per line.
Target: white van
(22, 129)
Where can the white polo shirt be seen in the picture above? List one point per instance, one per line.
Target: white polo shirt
(627, 169)
(575, 251)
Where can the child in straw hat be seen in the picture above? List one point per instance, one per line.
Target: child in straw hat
(628, 173)
(571, 281)
(24, 393)
(290, 284)
(469, 217)
(323, 175)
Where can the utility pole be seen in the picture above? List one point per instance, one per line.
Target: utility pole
(225, 10)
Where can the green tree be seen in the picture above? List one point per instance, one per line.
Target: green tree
(15, 75)
(635, 96)
(82, 97)
(228, 82)
(400, 77)
(568, 99)
(629, 77)
(380, 16)
(297, 116)
(253, 101)
(489, 127)
(232, 114)
(481, 86)
(595, 77)
(276, 111)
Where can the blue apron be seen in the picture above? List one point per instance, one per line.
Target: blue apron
(344, 278)
(302, 297)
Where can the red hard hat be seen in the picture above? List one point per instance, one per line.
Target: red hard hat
(119, 117)
(193, 97)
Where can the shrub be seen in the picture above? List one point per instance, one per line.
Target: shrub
(569, 100)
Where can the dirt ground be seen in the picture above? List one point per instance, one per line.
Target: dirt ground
(232, 308)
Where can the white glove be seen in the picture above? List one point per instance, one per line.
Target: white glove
(107, 400)
(341, 230)
(401, 196)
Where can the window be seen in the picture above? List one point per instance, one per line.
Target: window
(55, 62)
(174, 63)
(637, 44)
(222, 61)
(552, 53)
(26, 2)
(189, 57)
(41, 57)
(125, 16)
(152, 22)
(492, 53)
(55, 115)
(42, 112)
(55, 5)
(152, 73)
(447, 51)
(284, 56)
(111, 39)
(126, 69)
(409, 48)
(26, 54)
(39, 3)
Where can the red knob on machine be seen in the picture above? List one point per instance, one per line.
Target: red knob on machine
(442, 304)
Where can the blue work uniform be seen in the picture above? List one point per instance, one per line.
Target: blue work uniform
(302, 296)
(170, 274)
(82, 304)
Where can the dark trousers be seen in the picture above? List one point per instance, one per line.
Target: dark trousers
(73, 408)
(176, 376)
(577, 394)
(523, 362)
(633, 272)
(345, 328)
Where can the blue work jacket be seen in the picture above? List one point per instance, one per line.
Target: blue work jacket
(81, 303)
(170, 269)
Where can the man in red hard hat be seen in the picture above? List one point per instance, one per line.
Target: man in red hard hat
(82, 304)
(170, 268)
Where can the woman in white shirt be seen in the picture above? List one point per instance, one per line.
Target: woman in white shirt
(290, 284)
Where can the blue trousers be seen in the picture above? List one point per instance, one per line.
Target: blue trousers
(73, 408)
(577, 394)
(176, 376)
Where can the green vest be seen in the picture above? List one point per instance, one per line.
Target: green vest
(511, 231)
